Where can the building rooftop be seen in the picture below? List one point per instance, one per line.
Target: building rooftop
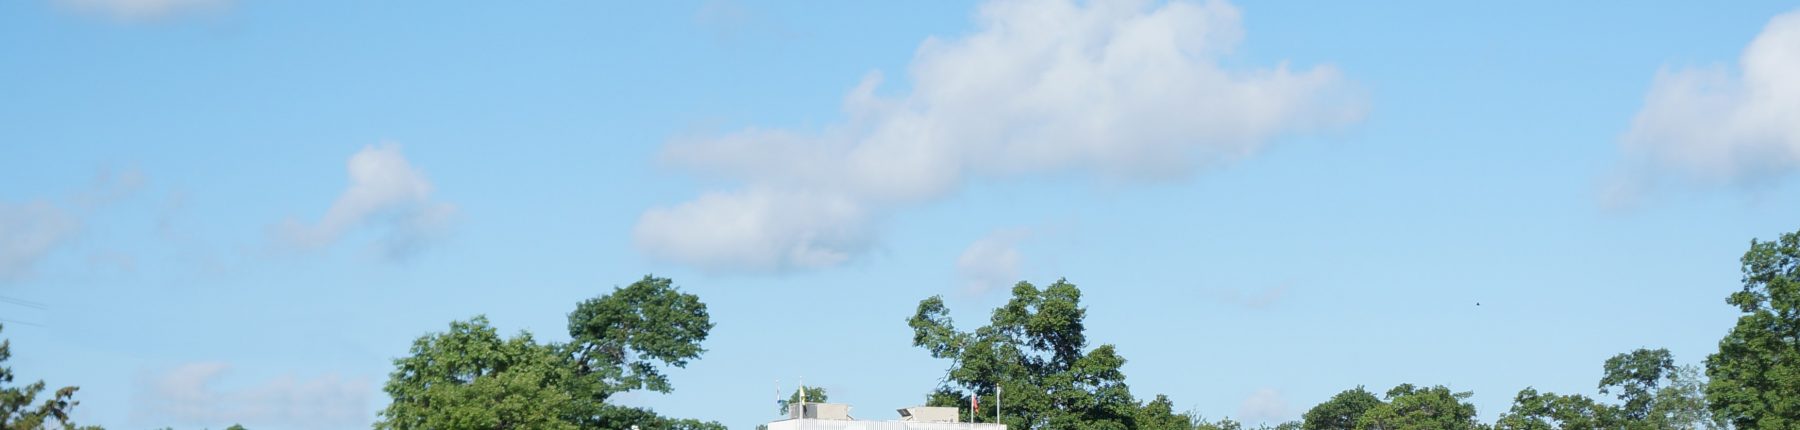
(836, 416)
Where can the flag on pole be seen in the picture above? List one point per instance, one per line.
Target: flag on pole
(975, 399)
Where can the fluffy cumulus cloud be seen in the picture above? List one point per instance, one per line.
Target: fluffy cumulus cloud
(1123, 89)
(192, 394)
(28, 232)
(992, 261)
(387, 193)
(1727, 125)
(138, 10)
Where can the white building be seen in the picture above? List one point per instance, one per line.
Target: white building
(836, 416)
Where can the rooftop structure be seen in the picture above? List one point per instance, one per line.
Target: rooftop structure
(836, 416)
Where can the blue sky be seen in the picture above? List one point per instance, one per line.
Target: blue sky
(232, 211)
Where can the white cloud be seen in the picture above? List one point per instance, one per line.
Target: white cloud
(191, 394)
(1723, 125)
(30, 231)
(992, 261)
(1265, 405)
(386, 192)
(756, 229)
(1121, 89)
(140, 10)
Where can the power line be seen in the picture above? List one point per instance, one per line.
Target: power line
(23, 302)
(13, 321)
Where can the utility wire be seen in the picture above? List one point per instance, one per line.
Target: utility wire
(23, 302)
(13, 321)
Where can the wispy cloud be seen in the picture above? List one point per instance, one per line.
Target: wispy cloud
(1719, 124)
(386, 193)
(28, 232)
(992, 261)
(31, 230)
(143, 10)
(1265, 405)
(1115, 88)
(193, 394)
(733, 21)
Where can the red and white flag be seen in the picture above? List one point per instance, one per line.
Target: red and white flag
(975, 399)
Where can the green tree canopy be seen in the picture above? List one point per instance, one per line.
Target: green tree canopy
(1635, 377)
(622, 339)
(1681, 403)
(469, 377)
(1340, 412)
(1035, 350)
(19, 407)
(1755, 376)
(1159, 414)
(1532, 410)
(1412, 408)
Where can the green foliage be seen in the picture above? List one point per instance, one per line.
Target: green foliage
(469, 377)
(19, 408)
(1412, 408)
(1635, 376)
(813, 395)
(1532, 410)
(1159, 414)
(621, 417)
(1035, 349)
(1228, 424)
(621, 337)
(1340, 412)
(1755, 376)
(1223, 424)
(1681, 404)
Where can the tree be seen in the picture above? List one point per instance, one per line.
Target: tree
(1681, 404)
(1755, 376)
(1159, 414)
(621, 417)
(813, 395)
(1341, 411)
(1035, 349)
(1532, 410)
(19, 409)
(1229, 424)
(1412, 408)
(1222, 424)
(620, 338)
(470, 378)
(1635, 376)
